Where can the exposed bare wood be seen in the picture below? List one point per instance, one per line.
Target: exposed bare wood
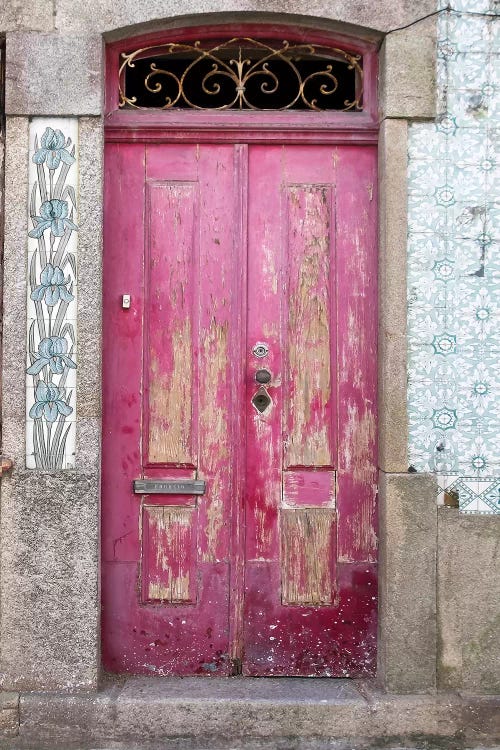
(172, 212)
(309, 320)
(168, 558)
(306, 561)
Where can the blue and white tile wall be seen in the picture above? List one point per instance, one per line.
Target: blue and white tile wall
(52, 253)
(454, 265)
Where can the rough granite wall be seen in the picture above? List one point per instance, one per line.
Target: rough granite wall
(454, 266)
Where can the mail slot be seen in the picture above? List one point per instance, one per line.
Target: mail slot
(162, 487)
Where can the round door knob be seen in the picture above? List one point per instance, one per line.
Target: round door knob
(263, 376)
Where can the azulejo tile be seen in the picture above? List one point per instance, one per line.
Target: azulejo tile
(468, 182)
(423, 291)
(454, 271)
(476, 315)
(494, 35)
(474, 495)
(468, 70)
(425, 247)
(472, 6)
(444, 418)
(424, 175)
(466, 33)
(443, 269)
(490, 497)
(470, 107)
(478, 389)
(427, 326)
(446, 496)
(494, 74)
(492, 220)
(447, 50)
(467, 220)
(476, 455)
(446, 124)
(444, 343)
(426, 215)
(426, 142)
(468, 145)
(465, 488)
(51, 294)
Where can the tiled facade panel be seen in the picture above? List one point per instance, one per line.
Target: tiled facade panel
(51, 295)
(454, 266)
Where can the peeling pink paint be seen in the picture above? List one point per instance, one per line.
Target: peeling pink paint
(222, 246)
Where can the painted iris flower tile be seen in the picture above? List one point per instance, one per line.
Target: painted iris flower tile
(52, 345)
(454, 268)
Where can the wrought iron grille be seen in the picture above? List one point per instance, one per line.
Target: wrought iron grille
(241, 73)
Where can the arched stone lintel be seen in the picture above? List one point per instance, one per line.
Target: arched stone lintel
(62, 74)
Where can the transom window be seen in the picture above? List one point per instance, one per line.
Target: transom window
(241, 73)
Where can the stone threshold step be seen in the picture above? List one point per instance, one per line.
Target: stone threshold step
(227, 713)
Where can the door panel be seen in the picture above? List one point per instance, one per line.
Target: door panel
(311, 454)
(168, 406)
(309, 326)
(170, 419)
(224, 248)
(357, 353)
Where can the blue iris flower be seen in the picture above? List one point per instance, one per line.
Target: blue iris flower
(53, 149)
(49, 403)
(52, 286)
(54, 214)
(53, 352)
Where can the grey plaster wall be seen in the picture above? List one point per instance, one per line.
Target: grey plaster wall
(408, 550)
(9, 714)
(468, 602)
(53, 74)
(72, 17)
(405, 57)
(49, 523)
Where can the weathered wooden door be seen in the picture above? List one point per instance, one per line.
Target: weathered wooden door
(244, 370)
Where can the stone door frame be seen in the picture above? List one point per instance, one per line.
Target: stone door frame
(49, 591)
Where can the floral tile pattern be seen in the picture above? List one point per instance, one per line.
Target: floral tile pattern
(51, 337)
(454, 266)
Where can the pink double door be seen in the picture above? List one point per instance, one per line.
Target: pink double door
(239, 464)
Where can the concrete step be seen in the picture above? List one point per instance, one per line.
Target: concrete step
(250, 714)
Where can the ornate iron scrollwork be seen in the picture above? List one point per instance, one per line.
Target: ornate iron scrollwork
(241, 73)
